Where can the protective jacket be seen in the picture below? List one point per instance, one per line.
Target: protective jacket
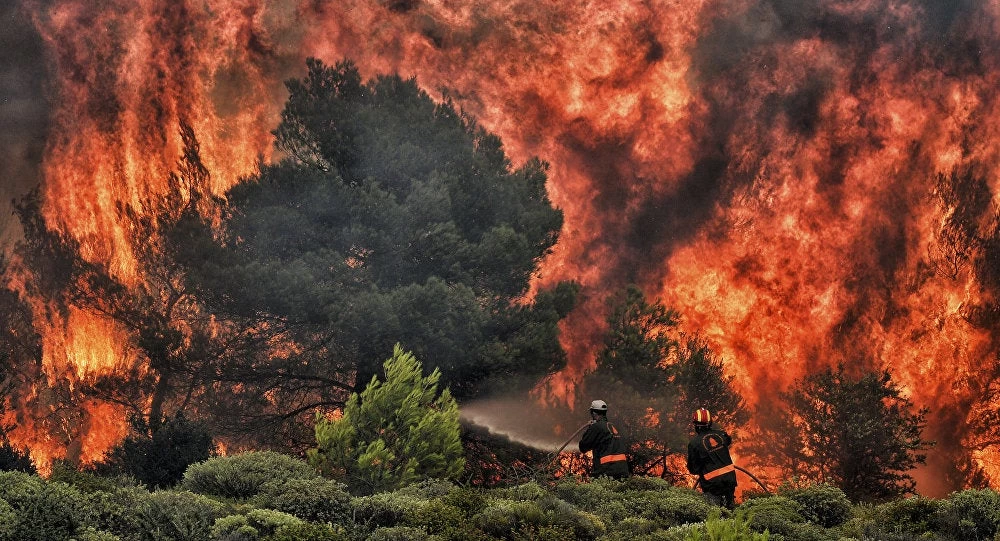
(708, 458)
(608, 448)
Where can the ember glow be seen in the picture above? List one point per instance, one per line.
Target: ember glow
(778, 171)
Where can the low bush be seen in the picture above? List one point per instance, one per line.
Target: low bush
(315, 500)
(179, 515)
(971, 515)
(435, 517)
(774, 514)
(469, 500)
(716, 528)
(906, 518)
(117, 511)
(505, 518)
(241, 476)
(306, 531)
(398, 533)
(90, 534)
(823, 504)
(385, 509)
(429, 489)
(671, 507)
(88, 482)
(42, 511)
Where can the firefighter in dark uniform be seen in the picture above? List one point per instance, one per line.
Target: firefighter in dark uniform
(603, 439)
(709, 459)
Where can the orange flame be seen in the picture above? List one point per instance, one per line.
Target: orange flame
(767, 171)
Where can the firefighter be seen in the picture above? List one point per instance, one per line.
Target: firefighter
(606, 443)
(709, 459)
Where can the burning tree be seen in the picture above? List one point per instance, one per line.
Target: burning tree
(858, 433)
(394, 218)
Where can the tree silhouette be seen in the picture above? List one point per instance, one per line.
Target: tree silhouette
(858, 433)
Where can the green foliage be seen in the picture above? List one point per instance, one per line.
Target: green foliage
(315, 500)
(860, 434)
(394, 433)
(896, 520)
(159, 455)
(178, 516)
(385, 509)
(823, 504)
(88, 482)
(90, 534)
(8, 521)
(398, 533)
(306, 531)
(44, 511)
(118, 510)
(774, 514)
(255, 524)
(243, 475)
(970, 514)
(716, 528)
(651, 499)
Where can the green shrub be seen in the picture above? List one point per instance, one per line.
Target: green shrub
(44, 511)
(526, 492)
(822, 503)
(970, 515)
(385, 509)
(118, 511)
(398, 533)
(429, 489)
(775, 514)
(179, 516)
(504, 518)
(469, 500)
(717, 528)
(640, 483)
(234, 528)
(306, 531)
(88, 482)
(671, 507)
(435, 517)
(8, 521)
(242, 476)
(315, 500)
(90, 534)
(909, 517)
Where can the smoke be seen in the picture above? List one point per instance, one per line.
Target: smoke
(25, 112)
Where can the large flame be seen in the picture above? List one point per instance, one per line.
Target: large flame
(769, 168)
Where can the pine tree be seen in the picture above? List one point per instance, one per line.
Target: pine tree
(394, 433)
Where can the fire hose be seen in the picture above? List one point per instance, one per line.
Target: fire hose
(555, 455)
(752, 476)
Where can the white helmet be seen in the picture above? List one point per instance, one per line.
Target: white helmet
(599, 405)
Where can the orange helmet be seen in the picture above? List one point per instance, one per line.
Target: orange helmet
(702, 417)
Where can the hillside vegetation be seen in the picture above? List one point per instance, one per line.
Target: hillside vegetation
(268, 496)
